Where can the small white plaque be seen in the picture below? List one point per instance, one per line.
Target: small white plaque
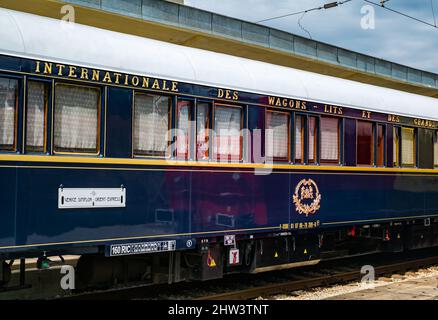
(229, 240)
(71, 198)
(233, 257)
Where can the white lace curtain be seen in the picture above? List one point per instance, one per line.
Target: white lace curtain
(435, 148)
(202, 123)
(299, 142)
(329, 139)
(8, 103)
(408, 146)
(227, 133)
(35, 117)
(183, 129)
(312, 139)
(76, 119)
(277, 135)
(151, 124)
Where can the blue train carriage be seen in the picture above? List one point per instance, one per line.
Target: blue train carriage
(186, 164)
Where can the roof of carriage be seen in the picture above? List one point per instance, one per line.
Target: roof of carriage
(176, 23)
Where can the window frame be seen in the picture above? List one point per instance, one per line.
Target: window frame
(435, 136)
(315, 140)
(99, 120)
(242, 114)
(210, 118)
(373, 144)
(336, 162)
(192, 106)
(289, 120)
(48, 92)
(18, 100)
(171, 106)
(396, 133)
(376, 145)
(415, 155)
(303, 118)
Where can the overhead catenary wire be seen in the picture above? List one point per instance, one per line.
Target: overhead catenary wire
(382, 2)
(325, 6)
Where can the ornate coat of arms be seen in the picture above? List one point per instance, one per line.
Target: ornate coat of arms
(307, 198)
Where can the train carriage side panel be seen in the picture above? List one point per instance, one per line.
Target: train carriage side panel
(149, 210)
(8, 201)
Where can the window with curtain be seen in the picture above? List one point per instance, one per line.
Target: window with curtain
(299, 138)
(312, 140)
(277, 135)
(435, 148)
(76, 119)
(408, 146)
(395, 146)
(365, 143)
(151, 124)
(8, 110)
(329, 139)
(202, 130)
(36, 108)
(380, 145)
(183, 129)
(227, 127)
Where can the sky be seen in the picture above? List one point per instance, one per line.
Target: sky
(394, 37)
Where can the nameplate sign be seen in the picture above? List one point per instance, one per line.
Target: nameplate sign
(71, 198)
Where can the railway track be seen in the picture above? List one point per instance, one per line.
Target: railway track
(245, 287)
(325, 280)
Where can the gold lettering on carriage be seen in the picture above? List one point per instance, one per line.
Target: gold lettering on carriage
(287, 103)
(393, 118)
(228, 94)
(366, 114)
(105, 77)
(424, 123)
(333, 109)
(307, 198)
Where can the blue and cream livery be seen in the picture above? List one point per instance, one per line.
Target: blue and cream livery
(113, 145)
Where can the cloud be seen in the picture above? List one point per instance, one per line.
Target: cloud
(395, 38)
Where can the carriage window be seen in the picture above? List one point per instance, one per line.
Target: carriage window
(435, 149)
(408, 147)
(228, 138)
(395, 146)
(380, 145)
(183, 129)
(299, 138)
(76, 119)
(365, 143)
(312, 140)
(8, 109)
(151, 124)
(36, 110)
(277, 135)
(202, 130)
(329, 140)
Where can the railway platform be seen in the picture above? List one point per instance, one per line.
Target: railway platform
(38, 283)
(425, 288)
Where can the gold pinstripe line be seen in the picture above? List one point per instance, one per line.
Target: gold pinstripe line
(201, 233)
(140, 237)
(379, 219)
(175, 163)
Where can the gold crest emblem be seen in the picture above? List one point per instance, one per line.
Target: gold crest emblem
(306, 197)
